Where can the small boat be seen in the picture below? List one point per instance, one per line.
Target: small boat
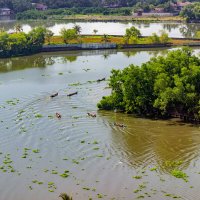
(58, 115)
(120, 125)
(92, 114)
(103, 79)
(71, 94)
(54, 95)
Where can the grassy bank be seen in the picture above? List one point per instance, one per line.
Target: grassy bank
(120, 18)
(118, 40)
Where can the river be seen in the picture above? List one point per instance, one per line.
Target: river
(112, 28)
(95, 158)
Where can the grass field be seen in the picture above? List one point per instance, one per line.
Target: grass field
(117, 40)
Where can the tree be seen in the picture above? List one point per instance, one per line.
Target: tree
(154, 39)
(68, 34)
(197, 34)
(164, 37)
(161, 87)
(95, 31)
(191, 12)
(131, 34)
(48, 35)
(77, 28)
(105, 38)
(18, 28)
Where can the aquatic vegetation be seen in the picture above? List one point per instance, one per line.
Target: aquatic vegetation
(86, 188)
(37, 182)
(137, 177)
(173, 196)
(75, 161)
(140, 197)
(36, 151)
(54, 172)
(96, 148)
(12, 102)
(179, 174)
(95, 142)
(65, 196)
(154, 169)
(51, 186)
(172, 164)
(60, 73)
(65, 174)
(75, 84)
(100, 196)
(45, 170)
(99, 156)
(38, 116)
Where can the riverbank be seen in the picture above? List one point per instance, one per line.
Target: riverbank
(114, 42)
(152, 18)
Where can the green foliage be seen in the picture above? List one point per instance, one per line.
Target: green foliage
(48, 35)
(20, 43)
(68, 34)
(31, 14)
(161, 87)
(192, 12)
(197, 34)
(131, 35)
(162, 39)
(154, 39)
(179, 174)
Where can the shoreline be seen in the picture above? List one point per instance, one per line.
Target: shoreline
(107, 18)
(115, 43)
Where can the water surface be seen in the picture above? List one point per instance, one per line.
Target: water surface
(102, 159)
(113, 28)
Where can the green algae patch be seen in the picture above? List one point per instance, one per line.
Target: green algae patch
(179, 174)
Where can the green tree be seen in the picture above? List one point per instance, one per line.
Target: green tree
(68, 34)
(132, 34)
(77, 28)
(18, 28)
(191, 12)
(164, 37)
(105, 38)
(48, 35)
(154, 39)
(161, 87)
(95, 31)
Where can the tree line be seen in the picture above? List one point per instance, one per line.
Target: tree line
(163, 87)
(23, 5)
(20, 43)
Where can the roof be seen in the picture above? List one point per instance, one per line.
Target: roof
(5, 9)
(182, 4)
(40, 5)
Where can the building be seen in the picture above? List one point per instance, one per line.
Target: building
(159, 10)
(140, 12)
(181, 5)
(39, 6)
(5, 12)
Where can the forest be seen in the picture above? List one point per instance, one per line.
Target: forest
(22, 5)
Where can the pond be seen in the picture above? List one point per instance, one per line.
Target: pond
(111, 28)
(42, 156)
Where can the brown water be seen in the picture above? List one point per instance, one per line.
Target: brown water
(100, 157)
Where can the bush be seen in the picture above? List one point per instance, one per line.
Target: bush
(161, 87)
(20, 43)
